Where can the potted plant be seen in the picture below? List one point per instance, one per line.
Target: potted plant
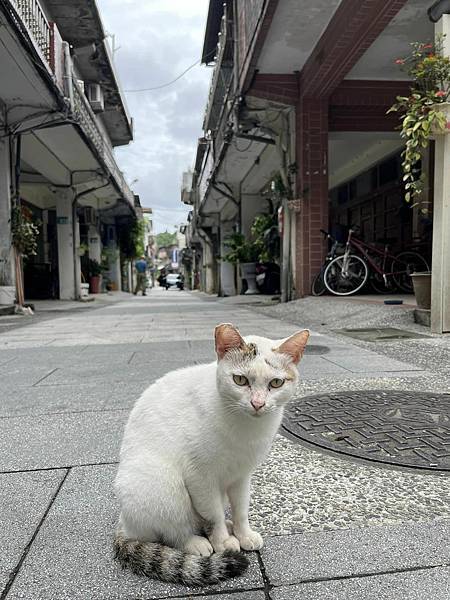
(425, 112)
(94, 274)
(24, 230)
(244, 253)
(422, 289)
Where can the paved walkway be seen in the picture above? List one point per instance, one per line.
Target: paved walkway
(334, 528)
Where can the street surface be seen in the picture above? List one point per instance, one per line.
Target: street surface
(335, 527)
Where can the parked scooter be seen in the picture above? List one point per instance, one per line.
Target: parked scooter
(268, 278)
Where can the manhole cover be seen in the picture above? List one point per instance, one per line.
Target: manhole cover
(410, 429)
(380, 334)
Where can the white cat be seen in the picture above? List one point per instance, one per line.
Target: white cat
(191, 444)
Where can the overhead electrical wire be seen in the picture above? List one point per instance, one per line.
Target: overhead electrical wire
(164, 85)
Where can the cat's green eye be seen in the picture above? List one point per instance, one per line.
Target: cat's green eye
(276, 383)
(240, 380)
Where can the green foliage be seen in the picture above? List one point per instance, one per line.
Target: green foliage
(24, 231)
(94, 268)
(264, 245)
(240, 249)
(266, 237)
(166, 239)
(131, 239)
(430, 72)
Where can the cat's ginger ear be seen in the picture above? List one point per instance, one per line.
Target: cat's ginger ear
(227, 338)
(295, 345)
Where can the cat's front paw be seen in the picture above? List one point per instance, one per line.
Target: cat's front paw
(250, 540)
(229, 543)
(198, 545)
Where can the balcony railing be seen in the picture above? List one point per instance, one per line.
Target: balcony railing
(36, 22)
(46, 38)
(221, 76)
(85, 116)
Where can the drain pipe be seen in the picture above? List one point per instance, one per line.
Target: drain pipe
(68, 74)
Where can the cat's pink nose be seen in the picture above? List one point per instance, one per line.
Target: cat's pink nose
(257, 403)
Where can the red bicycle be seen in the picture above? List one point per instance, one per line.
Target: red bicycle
(347, 274)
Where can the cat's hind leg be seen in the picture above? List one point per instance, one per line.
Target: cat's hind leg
(156, 506)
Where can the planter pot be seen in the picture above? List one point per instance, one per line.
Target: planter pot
(443, 107)
(7, 294)
(84, 290)
(94, 284)
(248, 272)
(422, 289)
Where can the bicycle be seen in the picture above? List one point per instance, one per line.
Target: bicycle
(347, 274)
(318, 286)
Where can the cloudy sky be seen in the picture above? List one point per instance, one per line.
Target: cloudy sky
(156, 41)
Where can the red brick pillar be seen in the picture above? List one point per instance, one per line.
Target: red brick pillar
(312, 187)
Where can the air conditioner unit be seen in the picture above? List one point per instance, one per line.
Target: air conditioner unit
(95, 97)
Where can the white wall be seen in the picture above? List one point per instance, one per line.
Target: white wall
(95, 245)
(227, 270)
(251, 205)
(68, 287)
(6, 257)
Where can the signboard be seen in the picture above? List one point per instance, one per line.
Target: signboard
(62, 220)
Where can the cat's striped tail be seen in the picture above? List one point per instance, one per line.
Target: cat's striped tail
(157, 561)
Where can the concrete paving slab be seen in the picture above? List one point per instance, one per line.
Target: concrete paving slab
(351, 552)
(70, 398)
(24, 498)
(60, 440)
(71, 557)
(51, 357)
(93, 374)
(164, 348)
(430, 584)
(364, 363)
(13, 375)
(317, 366)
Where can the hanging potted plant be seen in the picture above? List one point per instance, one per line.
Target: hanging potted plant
(24, 231)
(24, 236)
(425, 113)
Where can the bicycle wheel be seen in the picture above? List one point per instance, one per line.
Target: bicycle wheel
(345, 275)
(318, 287)
(408, 262)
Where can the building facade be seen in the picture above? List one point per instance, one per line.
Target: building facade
(62, 113)
(299, 95)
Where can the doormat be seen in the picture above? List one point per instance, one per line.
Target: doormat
(380, 334)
